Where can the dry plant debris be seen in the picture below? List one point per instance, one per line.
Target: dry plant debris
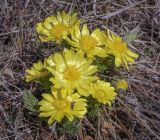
(136, 114)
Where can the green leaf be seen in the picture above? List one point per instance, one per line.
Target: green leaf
(105, 64)
(30, 102)
(44, 82)
(133, 35)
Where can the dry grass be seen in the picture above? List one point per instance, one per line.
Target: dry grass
(135, 115)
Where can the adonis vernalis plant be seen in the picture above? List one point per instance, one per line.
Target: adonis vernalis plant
(91, 43)
(122, 84)
(118, 48)
(61, 103)
(73, 73)
(55, 28)
(37, 71)
(103, 92)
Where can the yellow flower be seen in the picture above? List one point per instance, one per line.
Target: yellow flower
(122, 84)
(103, 92)
(117, 47)
(54, 28)
(60, 104)
(72, 71)
(90, 43)
(38, 70)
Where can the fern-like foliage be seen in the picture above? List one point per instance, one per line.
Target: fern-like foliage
(30, 102)
(93, 109)
(133, 35)
(68, 127)
(106, 64)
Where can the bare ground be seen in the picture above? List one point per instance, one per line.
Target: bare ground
(135, 115)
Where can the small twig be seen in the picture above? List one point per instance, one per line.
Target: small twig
(89, 124)
(120, 10)
(14, 31)
(151, 113)
(53, 128)
(99, 136)
(150, 70)
(156, 62)
(26, 4)
(94, 7)
(140, 119)
(72, 7)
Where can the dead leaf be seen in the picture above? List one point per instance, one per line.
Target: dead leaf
(107, 125)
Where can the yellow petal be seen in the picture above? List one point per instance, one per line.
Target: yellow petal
(118, 62)
(77, 32)
(91, 70)
(39, 27)
(44, 103)
(58, 83)
(60, 64)
(108, 102)
(83, 87)
(45, 39)
(69, 57)
(41, 30)
(79, 106)
(70, 41)
(59, 116)
(100, 52)
(74, 38)
(51, 62)
(46, 114)
(74, 97)
(70, 116)
(64, 93)
(110, 35)
(85, 31)
(130, 59)
(54, 92)
(47, 23)
(73, 19)
(47, 108)
(28, 79)
(38, 66)
(65, 17)
(82, 91)
(102, 38)
(53, 20)
(52, 119)
(124, 61)
(132, 54)
(79, 58)
(31, 72)
(86, 65)
(96, 34)
(59, 17)
(51, 70)
(48, 97)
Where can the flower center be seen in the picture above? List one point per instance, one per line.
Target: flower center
(58, 30)
(120, 46)
(88, 43)
(100, 93)
(43, 73)
(71, 73)
(62, 104)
